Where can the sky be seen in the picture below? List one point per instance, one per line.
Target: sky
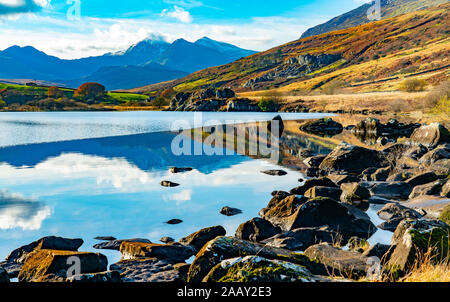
(80, 28)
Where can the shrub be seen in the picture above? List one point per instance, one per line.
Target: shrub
(445, 215)
(54, 92)
(160, 102)
(90, 91)
(413, 85)
(268, 104)
(2, 104)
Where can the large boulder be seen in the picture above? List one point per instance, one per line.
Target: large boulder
(429, 189)
(394, 214)
(171, 252)
(198, 239)
(314, 161)
(301, 239)
(258, 269)
(381, 174)
(352, 159)
(348, 264)
(413, 239)
(50, 243)
(222, 248)
(345, 219)
(41, 263)
(441, 152)
(446, 189)
(276, 126)
(393, 128)
(256, 230)
(381, 251)
(430, 135)
(391, 190)
(314, 182)
(339, 179)
(281, 205)
(322, 127)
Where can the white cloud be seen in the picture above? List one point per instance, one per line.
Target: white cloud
(178, 13)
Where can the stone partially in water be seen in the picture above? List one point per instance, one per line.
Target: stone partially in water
(256, 230)
(174, 221)
(179, 170)
(275, 172)
(315, 182)
(41, 263)
(169, 184)
(171, 252)
(228, 211)
(198, 239)
(105, 238)
(115, 244)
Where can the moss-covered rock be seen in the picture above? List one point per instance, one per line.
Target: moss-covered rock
(47, 262)
(258, 269)
(415, 238)
(223, 248)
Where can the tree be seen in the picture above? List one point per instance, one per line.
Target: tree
(90, 91)
(54, 92)
(160, 102)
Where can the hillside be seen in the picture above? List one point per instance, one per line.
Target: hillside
(358, 16)
(398, 46)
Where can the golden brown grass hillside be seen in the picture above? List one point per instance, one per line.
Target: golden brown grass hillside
(376, 55)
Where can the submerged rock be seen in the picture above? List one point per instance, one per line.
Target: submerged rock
(256, 230)
(42, 263)
(275, 172)
(198, 239)
(227, 211)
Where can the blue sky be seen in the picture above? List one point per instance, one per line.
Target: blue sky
(74, 28)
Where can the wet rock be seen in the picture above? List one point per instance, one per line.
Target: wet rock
(352, 159)
(223, 248)
(314, 161)
(349, 264)
(47, 262)
(291, 214)
(258, 269)
(175, 253)
(391, 190)
(275, 172)
(422, 179)
(430, 189)
(174, 221)
(282, 194)
(354, 194)
(167, 240)
(430, 135)
(227, 211)
(281, 203)
(115, 244)
(302, 238)
(147, 270)
(333, 193)
(276, 126)
(414, 238)
(169, 184)
(310, 183)
(4, 277)
(390, 225)
(104, 277)
(378, 200)
(395, 210)
(312, 172)
(105, 238)
(50, 243)
(179, 170)
(198, 239)
(256, 230)
(323, 127)
(340, 179)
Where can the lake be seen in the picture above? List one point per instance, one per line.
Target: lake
(82, 175)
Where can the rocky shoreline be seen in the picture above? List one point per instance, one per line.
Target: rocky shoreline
(317, 231)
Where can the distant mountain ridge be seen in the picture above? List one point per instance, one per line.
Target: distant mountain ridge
(146, 59)
(358, 16)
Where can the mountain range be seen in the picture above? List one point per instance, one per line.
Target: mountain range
(358, 16)
(149, 61)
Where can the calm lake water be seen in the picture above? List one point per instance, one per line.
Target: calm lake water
(82, 175)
